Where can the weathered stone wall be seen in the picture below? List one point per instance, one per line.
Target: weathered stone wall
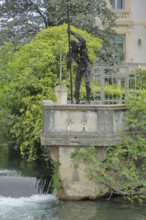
(83, 125)
(68, 127)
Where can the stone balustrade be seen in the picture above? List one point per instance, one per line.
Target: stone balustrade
(123, 14)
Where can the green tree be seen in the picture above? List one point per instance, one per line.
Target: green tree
(33, 75)
(22, 19)
(111, 54)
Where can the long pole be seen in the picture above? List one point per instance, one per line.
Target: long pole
(70, 69)
(60, 66)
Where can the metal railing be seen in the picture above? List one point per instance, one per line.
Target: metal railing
(112, 85)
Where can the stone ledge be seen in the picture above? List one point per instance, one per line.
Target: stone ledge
(82, 139)
(82, 107)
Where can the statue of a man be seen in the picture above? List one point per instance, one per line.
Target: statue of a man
(78, 53)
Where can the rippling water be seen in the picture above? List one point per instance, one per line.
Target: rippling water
(47, 207)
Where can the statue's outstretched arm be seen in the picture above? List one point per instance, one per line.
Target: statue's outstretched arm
(78, 36)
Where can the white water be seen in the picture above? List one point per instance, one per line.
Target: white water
(34, 207)
(19, 200)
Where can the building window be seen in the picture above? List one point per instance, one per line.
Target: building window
(120, 40)
(117, 4)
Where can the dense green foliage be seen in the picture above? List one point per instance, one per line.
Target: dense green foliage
(28, 77)
(141, 79)
(123, 171)
(22, 19)
(136, 114)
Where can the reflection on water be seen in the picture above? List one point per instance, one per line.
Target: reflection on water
(117, 209)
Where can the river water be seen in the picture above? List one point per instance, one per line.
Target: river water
(21, 198)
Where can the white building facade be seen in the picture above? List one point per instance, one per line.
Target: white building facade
(131, 28)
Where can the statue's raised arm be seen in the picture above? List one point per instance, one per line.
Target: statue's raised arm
(78, 36)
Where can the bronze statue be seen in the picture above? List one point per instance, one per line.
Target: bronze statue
(78, 53)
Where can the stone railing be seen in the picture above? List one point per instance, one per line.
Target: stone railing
(123, 15)
(82, 125)
(136, 65)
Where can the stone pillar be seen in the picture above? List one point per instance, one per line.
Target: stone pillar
(61, 94)
(75, 181)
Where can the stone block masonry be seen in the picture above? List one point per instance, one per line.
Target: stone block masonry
(67, 127)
